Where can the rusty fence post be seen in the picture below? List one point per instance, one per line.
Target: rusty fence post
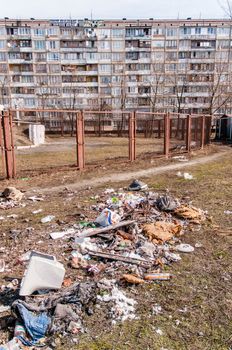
(171, 124)
(159, 128)
(196, 129)
(7, 144)
(12, 144)
(1, 142)
(132, 136)
(182, 128)
(202, 131)
(166, 135)
(80, 140)
(188, 133)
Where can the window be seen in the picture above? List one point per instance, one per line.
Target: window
(54, 79)
(91, 55)
(27, 79)
(104, 45)
(53, 45)
(144, 55)
(184, 43)
(116, 79)
(117, 56)
(158, 43)
(54, 68)
(29, 102)
(158, 56)
(3, 68)
(117, 45)
(52, 31)
(53, 56)
(171, 31)
(223, 31)
(2, 56)
(171, 56)
(104, 56)
(157, 31)
(198, 30)
(40, 57)
(117, 33)
(41, 68)
(103, 33)
(2, 44)
(39, 32)
(71, 56)
(117, 68)
(171, 43)
(211, 30)
(185, 30)
(39, 44)
(105, 68)
(105, 80)
(24, 31)
(2, 31)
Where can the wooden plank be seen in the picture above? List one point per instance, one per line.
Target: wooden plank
(107, 228)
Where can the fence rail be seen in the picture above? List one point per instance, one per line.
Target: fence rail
(172, 131)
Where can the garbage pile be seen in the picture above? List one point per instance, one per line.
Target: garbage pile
(10, 198)
(134, 234)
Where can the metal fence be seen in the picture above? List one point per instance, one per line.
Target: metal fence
(101, 135)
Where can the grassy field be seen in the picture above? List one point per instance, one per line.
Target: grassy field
(62, 151)
(196, 304)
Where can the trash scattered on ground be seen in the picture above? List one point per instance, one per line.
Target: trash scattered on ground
(186, 176)
(228, 212)
(2, 265)
(10, 198)
(37, 211)
(107, 217)
(35, 199)
(124, 307)
(61, 234)
(43, 272)
(137, 185)
(125, 239)
(158, 276)
(184, 248)
(167, 203)
(181, 158)
(162, 231)
(47, 219)
(11, 193)
(190, 213)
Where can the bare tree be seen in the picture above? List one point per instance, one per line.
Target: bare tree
(4, 89)
(226, 6)
(156, 88)
(219, 90)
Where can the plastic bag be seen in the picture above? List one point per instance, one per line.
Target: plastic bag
(107, 217)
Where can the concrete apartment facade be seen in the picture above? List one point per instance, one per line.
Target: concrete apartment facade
(147, 65)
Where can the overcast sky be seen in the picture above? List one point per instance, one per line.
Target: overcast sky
(102, 9)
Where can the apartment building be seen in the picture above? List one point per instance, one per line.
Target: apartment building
(148, 65)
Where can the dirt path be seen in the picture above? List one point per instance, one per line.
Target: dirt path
(127, 176)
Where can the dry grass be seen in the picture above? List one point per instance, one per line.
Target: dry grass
(202, 285)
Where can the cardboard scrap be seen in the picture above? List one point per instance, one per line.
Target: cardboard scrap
(161, 231)
(190, 213)
(132, 279)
